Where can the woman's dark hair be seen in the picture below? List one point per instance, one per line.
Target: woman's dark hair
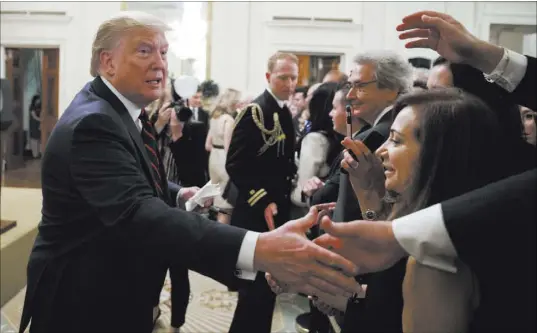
(320, 106)
(36, 102)
(460, 147)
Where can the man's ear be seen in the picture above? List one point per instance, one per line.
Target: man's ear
(107, 63)
(267, 76)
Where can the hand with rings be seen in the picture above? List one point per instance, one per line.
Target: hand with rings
(366, 171)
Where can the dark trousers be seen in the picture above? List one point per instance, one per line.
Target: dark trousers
(254, 308)
(180, 292)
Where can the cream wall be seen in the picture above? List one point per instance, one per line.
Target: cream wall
(244, 35)
(72, 33)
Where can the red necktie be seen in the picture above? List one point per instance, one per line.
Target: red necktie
(150, 143)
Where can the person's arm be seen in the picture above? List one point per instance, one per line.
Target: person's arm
(209, 142)
(436, 301)
(437, 235)
(313, 154)
(228, 132)
(35, 116)
(107, 176)
(242, 162)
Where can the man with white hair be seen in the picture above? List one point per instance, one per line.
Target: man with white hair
(110, 226)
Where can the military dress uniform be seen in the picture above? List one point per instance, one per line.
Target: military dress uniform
(260, 162)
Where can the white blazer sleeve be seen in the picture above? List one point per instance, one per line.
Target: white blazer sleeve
(313, 153)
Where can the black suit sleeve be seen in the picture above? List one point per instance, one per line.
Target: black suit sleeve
(524, 94)
(174, 190)
(242, 162)
(494, 221)
(329, 192)
(107, 176)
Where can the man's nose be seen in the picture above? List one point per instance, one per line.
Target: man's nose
(160, 62)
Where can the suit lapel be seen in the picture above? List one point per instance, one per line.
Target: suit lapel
(101, 90)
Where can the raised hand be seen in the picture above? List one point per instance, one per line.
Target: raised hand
(301, 266)
(366, 172)
(370, 245)
(448, 37)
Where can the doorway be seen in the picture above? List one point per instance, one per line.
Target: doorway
(33, 74)
(313, 67)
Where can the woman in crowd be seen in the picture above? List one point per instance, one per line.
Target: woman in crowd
(528, 121)
(320, 146)
(217, 143)
(443, 143)
(35, 126)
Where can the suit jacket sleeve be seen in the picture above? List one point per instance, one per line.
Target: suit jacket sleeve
(524, 94)
(494, 222)
(174, 192)
(106, 174)
(242, 162)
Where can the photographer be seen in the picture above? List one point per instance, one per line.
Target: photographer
(160, 115)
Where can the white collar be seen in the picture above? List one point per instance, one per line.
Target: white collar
(132, 108)
(281, 103)
(388, 108)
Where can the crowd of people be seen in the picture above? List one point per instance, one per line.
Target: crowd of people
(394, 205)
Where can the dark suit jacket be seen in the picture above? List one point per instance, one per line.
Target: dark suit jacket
(104, 234)
(524, 94)
(494, 226)
(190, 155)
(261, 178)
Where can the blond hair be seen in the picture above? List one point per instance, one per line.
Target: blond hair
(111, 31)
(280, 56)
(226, 102)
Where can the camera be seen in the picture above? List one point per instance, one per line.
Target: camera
(182, 112)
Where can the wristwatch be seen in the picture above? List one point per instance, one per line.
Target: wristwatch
(370, 215)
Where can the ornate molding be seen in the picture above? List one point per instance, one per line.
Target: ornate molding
(314, 25)
(22, 18)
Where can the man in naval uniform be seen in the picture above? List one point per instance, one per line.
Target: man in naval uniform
(260, 163)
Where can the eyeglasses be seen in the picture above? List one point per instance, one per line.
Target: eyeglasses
(358, 85)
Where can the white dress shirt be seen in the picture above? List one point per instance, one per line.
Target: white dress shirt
(281, 103)
(423, 234)
(245, 260)
(195, 113)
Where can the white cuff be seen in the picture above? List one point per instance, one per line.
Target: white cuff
(424, 236)
(509, 71)
(245, 261)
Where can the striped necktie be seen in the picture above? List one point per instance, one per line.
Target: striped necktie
(150, 143)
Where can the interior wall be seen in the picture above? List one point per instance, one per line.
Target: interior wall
(244, 34)
(72, 33)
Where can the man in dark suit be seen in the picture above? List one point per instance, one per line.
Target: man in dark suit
(110, 228)
(260, 162)
(486, 228)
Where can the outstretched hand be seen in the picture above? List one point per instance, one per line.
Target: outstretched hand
(370, 245)
(301, 266)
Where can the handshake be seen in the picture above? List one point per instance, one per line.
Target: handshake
(324, 269)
